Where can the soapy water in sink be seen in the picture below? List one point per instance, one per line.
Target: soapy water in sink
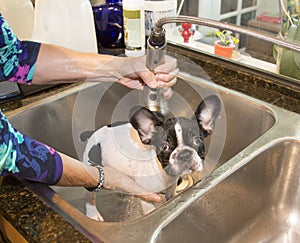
(114, 206)
(108, 103)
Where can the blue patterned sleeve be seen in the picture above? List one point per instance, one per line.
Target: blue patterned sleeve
(27, 158)
(20, 155)
(17, 58)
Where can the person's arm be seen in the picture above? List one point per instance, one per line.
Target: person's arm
(28, 159)
(76, 173)
(17, 58)
(57, 64)
(40, 63)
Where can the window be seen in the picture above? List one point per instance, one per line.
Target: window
(237, 12)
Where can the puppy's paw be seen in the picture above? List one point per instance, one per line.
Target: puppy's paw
(93, 213)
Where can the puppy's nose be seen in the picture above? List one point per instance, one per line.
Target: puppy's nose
(184, 156)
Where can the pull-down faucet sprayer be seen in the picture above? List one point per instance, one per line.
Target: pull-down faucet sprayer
(156, 49)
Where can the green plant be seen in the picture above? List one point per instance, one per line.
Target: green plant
(211, 34)
(226, 38)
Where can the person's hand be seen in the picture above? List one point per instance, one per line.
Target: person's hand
(117, 181)
(135, 75)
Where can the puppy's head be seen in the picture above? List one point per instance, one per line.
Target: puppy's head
(179, 141)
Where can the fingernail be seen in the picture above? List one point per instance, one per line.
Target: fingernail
(156, 198)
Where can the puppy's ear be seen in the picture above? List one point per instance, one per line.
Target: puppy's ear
(207, 112)
(145, 122)
(84, 136)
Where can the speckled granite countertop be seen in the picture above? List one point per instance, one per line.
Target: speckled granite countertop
(15, 104)
(35, 221)
(38, 222)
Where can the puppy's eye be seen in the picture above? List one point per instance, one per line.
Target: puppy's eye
(165, 147)
(197, 141)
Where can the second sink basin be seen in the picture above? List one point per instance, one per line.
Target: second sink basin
(260, 202)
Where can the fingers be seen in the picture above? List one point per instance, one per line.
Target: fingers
(148, 78)
(168, 66)
(133, 188)
(115, 180)
(132, 83)
(165, 80)
(163, 76)
(158, 80)
(151, 197)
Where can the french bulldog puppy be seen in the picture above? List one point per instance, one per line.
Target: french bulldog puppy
(153, 151)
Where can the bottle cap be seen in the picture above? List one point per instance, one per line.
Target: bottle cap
(161, 5)
(134, 53)
(133, 4)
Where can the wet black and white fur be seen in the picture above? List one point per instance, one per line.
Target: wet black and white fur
(152, 151)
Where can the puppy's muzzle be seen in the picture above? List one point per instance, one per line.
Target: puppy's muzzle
(185, 156)
(184, 161)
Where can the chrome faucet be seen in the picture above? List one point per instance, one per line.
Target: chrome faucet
(158, 29)
(156, 50)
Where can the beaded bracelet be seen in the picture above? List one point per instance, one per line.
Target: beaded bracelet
(101, 181)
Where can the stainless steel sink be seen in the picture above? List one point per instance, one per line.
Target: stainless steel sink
(245, 127)
(260, 202)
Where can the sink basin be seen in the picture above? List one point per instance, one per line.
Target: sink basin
(260, 202)
(244, 126)
(60, 122)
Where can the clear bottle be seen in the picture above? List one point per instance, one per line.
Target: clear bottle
(108, 19)
(66, 23)
(134, 27)
(19, 14)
